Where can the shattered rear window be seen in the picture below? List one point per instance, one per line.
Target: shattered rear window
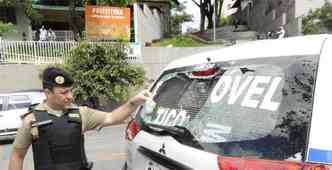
(251, 108)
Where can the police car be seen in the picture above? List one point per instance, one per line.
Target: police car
(12, 106)
(262, 105)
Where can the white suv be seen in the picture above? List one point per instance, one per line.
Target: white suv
(263, 105)
(12, 106)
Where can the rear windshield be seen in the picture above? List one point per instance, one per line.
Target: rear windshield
(257, 108)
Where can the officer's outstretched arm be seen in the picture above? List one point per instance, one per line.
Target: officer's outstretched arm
(124, 111)
(17, 158)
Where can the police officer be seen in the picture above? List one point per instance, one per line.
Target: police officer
(55, 128)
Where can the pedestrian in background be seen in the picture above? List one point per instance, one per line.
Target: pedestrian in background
(42, 34)
(51, 35)
(56, 127)
(24, 36)
(281, 32)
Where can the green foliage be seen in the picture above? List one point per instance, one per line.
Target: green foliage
(32, 13)
(102, 72)
(319, 20)
(5, 27)
(9, 2)
(180, 41)
(178, 17)
(225, 21)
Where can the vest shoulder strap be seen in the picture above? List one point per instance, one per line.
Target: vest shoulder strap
(25, 115)
(42, 118)
(32, 107)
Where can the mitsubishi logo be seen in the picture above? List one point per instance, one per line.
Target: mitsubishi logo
(162, 149)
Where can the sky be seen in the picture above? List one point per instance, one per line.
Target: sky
(192, 9)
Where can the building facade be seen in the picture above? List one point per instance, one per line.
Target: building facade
(267, 15)
(150, 19)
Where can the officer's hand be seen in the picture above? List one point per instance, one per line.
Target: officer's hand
(141, 98)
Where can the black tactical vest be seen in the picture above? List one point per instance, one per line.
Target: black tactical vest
(60, 145)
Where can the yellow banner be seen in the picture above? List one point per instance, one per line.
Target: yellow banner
(107, 23)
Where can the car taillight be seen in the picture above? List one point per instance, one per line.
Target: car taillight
(233, 163)
(205, 73)
(132, 130)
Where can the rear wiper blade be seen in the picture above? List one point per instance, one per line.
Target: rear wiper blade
(179, 133)
(245, 69)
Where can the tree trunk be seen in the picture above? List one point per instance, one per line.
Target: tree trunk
(202, 21)
(210, 20)
(202, 24)
(75, 20)
(218, 10)
(209, 15)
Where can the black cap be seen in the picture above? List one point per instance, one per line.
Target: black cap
(56, 77)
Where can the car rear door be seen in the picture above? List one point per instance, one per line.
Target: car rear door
(153, 152)
(248, 109)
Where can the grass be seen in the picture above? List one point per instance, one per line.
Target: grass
(179, 41)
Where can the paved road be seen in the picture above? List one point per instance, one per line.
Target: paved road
(19, 77)
(105, 148)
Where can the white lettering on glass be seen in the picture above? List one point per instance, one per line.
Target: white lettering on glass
(254, 89)
(236, 91)
(258, 91)
(221, 88)
(267, 103)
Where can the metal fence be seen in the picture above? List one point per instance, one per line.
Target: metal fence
(50, 52)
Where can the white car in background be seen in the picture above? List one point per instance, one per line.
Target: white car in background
(12, 106)
(263, 105)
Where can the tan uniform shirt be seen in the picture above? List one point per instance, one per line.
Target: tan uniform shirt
(91, 120)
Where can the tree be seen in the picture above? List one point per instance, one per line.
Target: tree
(5, 27)
(178, 17)
(102, 72)
(319, 20)
(76, 21)
(206, 10)
(30, 12)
